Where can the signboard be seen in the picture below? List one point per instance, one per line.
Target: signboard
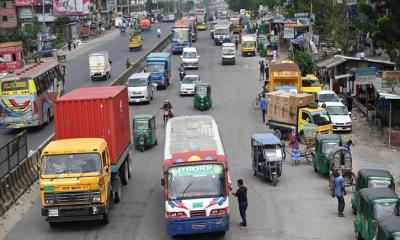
(391, 75)
(12, 54)
(70, 7)
(196, 170)
(288, 32)
(365, 76)
(26, 3)
(25, 13)
(286, 74)
(297, 22)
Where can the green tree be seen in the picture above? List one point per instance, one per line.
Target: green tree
(383, 23)
(305, 62)
(149, 5)
(189, 5)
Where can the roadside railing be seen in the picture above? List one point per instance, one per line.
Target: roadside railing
(12, 153)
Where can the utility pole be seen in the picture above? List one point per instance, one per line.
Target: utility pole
(43, 18)
(310, 31)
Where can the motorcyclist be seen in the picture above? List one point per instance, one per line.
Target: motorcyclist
(128, 63)
(158, 32)
(167, 107)
(182, 71)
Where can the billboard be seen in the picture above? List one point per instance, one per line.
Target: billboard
(365, 76)
(26, 3)
(70, 7)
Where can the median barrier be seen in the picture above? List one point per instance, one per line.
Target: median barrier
(21, 177)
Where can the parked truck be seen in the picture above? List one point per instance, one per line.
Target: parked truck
(288, 111)
(84, 168)
(159, 65)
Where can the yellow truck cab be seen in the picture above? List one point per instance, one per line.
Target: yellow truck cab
(318, 116)
(76, 172)
(310, 84)
(248, 43)
(135, 43)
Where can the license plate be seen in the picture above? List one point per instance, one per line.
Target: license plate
(198, 225)
(73, 188)
(53, 212)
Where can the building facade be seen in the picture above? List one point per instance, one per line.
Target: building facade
(8, 16)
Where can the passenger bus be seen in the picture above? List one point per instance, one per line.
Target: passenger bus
(195, 177)
(27, 95)
(181, 36)
(193, 26)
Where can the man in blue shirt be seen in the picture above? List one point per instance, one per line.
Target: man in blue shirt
(340, 192)
(263, 105)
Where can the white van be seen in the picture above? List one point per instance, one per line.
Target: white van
(228, 53)
(99, 65)
(189, 57)
(140, 87)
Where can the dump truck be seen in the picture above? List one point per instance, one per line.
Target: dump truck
(84, 168)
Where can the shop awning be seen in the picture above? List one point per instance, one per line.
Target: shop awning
(388, 96)
(330, 62)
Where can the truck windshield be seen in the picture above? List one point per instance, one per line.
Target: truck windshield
(337, 110)
(180, 35)
(137, 82)
(71, 163)
(321, 118)
(221, 31)
(248, 45)
(196, 181)
(228, 51)
(385, 209)
(328, 98)
(14, 85)
(155, 68)
(48, 45)
(311, 83)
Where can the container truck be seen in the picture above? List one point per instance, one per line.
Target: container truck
(84, 168)
(159, 65)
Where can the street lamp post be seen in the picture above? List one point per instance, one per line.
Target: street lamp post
(43, 18)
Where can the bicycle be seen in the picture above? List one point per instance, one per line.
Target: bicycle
(256, 102)
(308, 152)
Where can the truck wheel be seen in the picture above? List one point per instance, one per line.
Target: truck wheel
(106, 215)
(129, 167)
(124, 172)
(118, 190)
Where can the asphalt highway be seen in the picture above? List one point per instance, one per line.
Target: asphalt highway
(299, 207)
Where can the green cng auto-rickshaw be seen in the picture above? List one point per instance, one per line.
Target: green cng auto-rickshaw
(202, 96)
(340, 160)
(325, 145)
(370, 178)
(267, 153)
(144, 131)
(375, 205)
(388, 228)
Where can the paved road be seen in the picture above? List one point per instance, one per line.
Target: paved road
(78, 71)
(298, 208)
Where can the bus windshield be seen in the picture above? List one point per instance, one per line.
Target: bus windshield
(221, 31)
(14, 85)
(180, 35)
(71, 163)
(196, 181)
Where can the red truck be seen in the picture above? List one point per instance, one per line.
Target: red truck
(145, 24)
(83, 170)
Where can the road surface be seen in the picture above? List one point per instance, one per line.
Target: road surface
(78, 71)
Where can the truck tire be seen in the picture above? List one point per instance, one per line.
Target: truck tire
(106, 215)
(54, 224)
(124, 172)
(117, 189)
(129, 166)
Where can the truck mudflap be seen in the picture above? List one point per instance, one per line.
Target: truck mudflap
(74, 213)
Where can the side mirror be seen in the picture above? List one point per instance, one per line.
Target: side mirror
(198, 56)
(181, 57)
(162, 182)
(349, 113)
(340, 99)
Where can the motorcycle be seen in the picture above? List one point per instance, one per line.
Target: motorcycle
(158, 35)
(182, 74)
(167, 114)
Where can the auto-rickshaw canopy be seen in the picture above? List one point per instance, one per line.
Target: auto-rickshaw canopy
(388, 227)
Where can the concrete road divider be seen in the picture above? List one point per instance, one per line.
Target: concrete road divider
(21, 177)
